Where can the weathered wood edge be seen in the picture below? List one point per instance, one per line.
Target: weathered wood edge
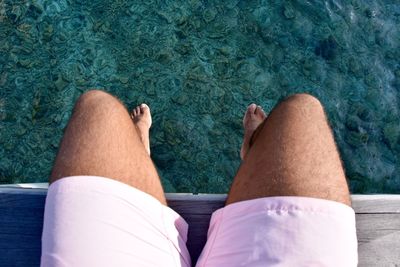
(21, 217)
(380, 203)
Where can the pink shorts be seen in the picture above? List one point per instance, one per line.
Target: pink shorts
(96, 221)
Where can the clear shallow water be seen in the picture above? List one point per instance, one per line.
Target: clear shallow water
(198, 64)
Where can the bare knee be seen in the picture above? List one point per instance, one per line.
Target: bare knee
(94, 95)
(97, 99)
(305, 103)
(304, 99)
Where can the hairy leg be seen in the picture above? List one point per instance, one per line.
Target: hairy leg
(102, 140)
(293, 153)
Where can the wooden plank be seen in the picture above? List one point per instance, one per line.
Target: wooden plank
(21, 221)
(361, 203)
(376, 203)
(21, 218)
(384, 211)
(378, 239)
(197, 235)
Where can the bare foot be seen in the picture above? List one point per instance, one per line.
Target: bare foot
(141, 117)
(253, 117)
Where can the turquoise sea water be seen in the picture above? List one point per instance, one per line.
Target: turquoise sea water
(198, 64)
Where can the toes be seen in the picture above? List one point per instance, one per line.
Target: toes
(260, 112)
(144, 108)
(263, 115)
(144, 111)
(251, 108)
(139, 110)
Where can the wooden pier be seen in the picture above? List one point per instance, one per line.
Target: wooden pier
(21, 220)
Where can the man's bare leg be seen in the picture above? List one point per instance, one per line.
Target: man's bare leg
(102, 140)
(292, 153)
